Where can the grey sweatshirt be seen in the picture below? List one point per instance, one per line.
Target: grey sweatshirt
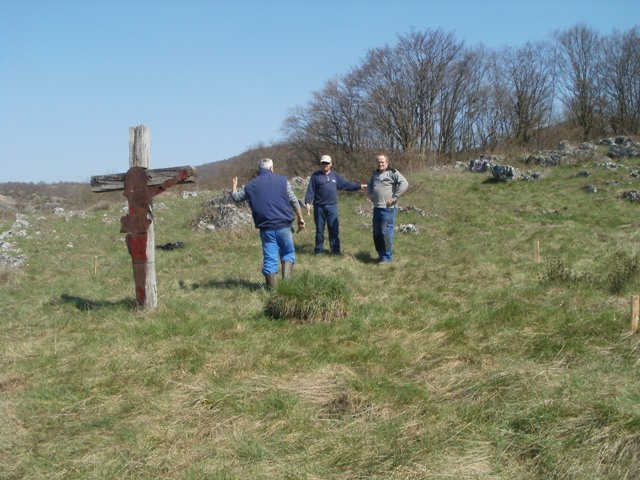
(385, 185)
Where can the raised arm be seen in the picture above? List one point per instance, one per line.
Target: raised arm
(237, 196)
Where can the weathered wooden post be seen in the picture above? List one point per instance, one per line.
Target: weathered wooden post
(140, 185)
(635, 312)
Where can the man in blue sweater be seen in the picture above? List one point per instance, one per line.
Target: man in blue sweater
(272, 203)
(323, 192)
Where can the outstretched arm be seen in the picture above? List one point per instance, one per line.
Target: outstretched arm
(183, 175)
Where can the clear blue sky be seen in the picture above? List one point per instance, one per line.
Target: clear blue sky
(211, 78)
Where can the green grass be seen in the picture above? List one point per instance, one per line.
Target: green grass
(464, 358)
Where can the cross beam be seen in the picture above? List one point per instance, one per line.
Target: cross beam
(140, 185)
(114, 182)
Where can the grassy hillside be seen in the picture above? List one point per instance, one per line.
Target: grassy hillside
(462, 359)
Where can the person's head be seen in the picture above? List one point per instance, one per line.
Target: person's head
(265, 164)
(382, 162)
(325, 163)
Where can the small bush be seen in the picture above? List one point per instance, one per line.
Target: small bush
(623, 270)
(557, 271)
(619, 271)
(309, 298)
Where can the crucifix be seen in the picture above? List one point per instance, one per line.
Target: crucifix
(140, 185)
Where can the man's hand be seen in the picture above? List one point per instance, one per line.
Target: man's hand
(300, 224)
(234, 184)
(391, 201)
(308, 209)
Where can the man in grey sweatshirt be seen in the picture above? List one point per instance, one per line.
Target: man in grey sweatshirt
(384, 188)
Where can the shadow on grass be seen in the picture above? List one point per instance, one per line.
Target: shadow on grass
(85, 304)
(365, 257)
(493, 180)
(227, 283)
(305, 249)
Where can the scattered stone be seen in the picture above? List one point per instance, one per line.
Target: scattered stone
(408, 228)
(504, 172)
(363, 212)
(222, 212)
(479, 165)
(10, 254)
(417, 210)
(608, 165)
(623, 147)
(484, 163)
(527, 176)
(631, 195)
(299, 183)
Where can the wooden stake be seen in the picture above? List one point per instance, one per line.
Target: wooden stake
(95, 264)
(139, 155)
(140, 185)
(536, 251)
(635, 312)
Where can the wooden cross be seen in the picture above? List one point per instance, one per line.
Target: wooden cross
(140, 185)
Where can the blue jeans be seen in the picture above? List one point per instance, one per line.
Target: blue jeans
(383, 225)
(327, 215)
(277, 246)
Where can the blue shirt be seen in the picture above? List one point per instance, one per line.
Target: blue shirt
(323, 189)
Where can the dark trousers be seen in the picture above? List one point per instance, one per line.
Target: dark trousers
(327, 215)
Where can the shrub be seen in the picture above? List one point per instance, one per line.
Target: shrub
(620, 271)
(623, 271)
(309, 298)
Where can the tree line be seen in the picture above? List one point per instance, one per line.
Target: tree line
(430, 95)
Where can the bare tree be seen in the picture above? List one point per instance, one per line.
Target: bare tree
(429, 93)
(419, 92)
(334, 121)
(578, 59)
(391, 99)
(301, 129)
(462, 100)
(523, 84)
(621, 81)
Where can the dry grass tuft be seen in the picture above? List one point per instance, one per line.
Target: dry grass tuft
(9, 276)
(310, 298)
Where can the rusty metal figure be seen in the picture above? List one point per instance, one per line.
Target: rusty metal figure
(136, 223)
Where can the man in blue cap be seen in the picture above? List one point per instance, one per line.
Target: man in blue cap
(323, 192)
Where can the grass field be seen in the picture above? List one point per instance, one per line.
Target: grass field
(463, 359)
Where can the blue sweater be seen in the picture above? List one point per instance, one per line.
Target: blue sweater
(270, 199)
(323, 189)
